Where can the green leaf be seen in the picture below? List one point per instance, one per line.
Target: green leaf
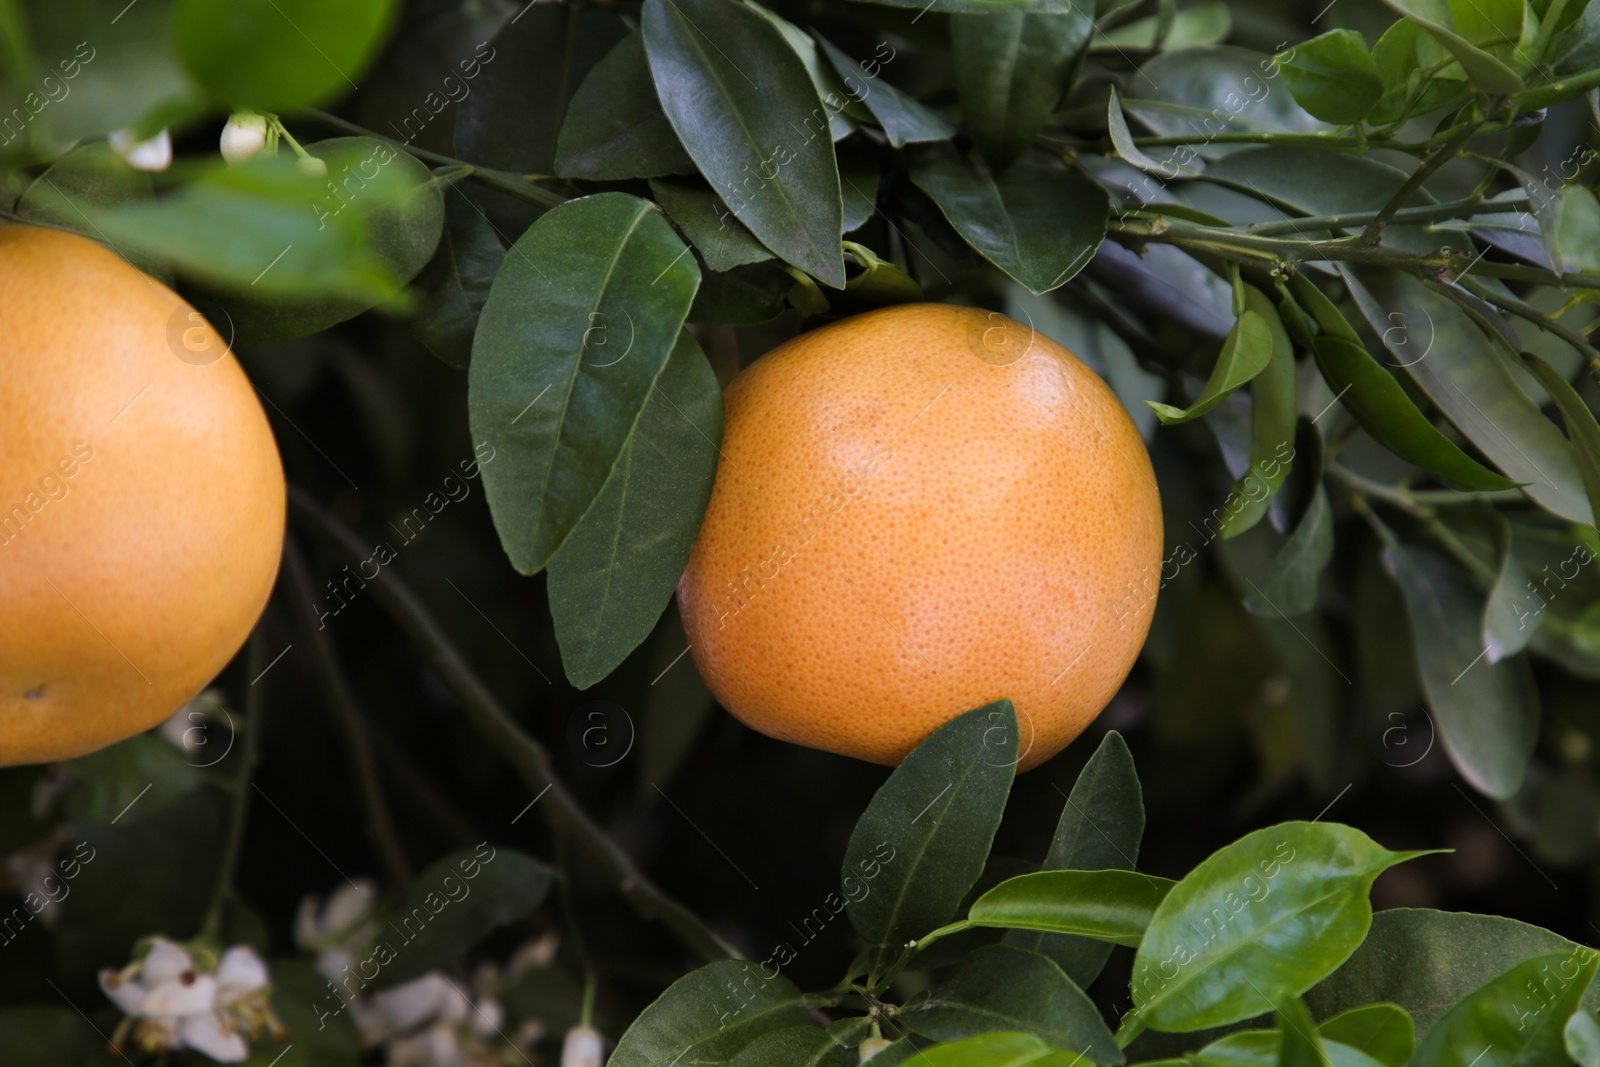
(1245, 354)
(400, 209)
(1113, 906)
(764, 147)
(616, 572)
(256, 228)
(743, 296)
(1426, 960)
(91, 177)
(796, 1046)
(1382, 1031)
(1582, 430)
(1171, 28)
(1272, 424)
(1108, 786)
(1516, 1018)
(1264, 918)
(1299, 1044)
(1487, 714)
(903, 117)
(859, 178)
(1483, 69)
(1378, 401)
(1265, 1048)
(950, 7)
(926, 833)
(1290, 584)
(844, 111)
(134, 779)
(279, 55)
(578, 326)
(709, 1015)
(615, 127)
(722, 240)
(456, 281)
(1040, 224)
(1197, 92)
(454, 903)
(1396, 56)
(1010, 69)
(1575, 238)
(1003, 988)
(1333, 76)
(995, 1050)
(1582, 1039)
(1506, 626)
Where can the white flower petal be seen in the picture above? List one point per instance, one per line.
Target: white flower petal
(240, 973)
(165, 962)
(487, 1018)
(349, 905)
(243, 136)
(583, 1048)
(125, 994)
(180, 998)
(208, 1033)
(408, 1006)
(154, 154)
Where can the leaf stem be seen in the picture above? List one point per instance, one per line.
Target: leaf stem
(336, 689)
(526, 755)
(1373, 233)
(233, 845)
(519, 185)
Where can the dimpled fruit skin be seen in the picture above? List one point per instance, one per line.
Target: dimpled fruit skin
(130, 583)
(918, 511)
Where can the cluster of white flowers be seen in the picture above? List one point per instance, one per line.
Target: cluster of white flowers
(172, 1001)
(429, 1021)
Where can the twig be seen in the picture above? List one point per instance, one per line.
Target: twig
(526, 755)
(1373, 232)
(255, 660)
(1455, 209)
(336, 689)
(1532, 314)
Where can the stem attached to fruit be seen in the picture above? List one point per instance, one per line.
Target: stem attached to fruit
(527, 756)
(255, 663)
(346, 709)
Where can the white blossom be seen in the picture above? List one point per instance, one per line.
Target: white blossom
(154, 154)
(170, 1003)
(243, 136)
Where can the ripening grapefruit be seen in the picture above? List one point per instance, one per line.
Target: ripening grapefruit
(141, 499)
(918, 511)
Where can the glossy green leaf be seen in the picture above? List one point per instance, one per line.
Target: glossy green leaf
(1516, 1018)
(1290, 584)
(743, 296)
(1203, 92)
(1408, 90)
(1574, 240)
(1581, 1036)
(926, 834)
(1484, 70)
(1333, 76)
(456, 281)
(615, 127)
(796, 1046)
(252, 229)
(859, 178)
(1041, 224)
(1582, 430)
(578, 326)
(1382, 1031)
(844, 111)
(91, 177)
(1378, 401)
(1266, 1048)
(1487, 714)
(1114, 906)
(1272, 424)
(279, 55)
(454, 903)
(1299, 1043)
(1282, 907)
(1507, 626)
(1011, 989)
(616, 572)
(104, 785)
(709, 1016)
(1426, 960)
(1171, 28)
(996, 1050)
(904, 118)
(765, 146)
(1245, 354)
(1099, 829)
(1010, 69)
(722, 240)
(400, 215)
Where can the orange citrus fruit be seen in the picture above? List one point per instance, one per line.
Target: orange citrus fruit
(141, 499)
(918, 511)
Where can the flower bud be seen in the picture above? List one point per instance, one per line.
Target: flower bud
(872, 1046)
(584, 1047)
(243, 136)
(153, 155)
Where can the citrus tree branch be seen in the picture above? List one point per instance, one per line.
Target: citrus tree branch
(1455, 209)
(527, 756)
(1373, 232)
(336, 688)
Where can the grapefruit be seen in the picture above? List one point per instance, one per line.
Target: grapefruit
(141, 499)
(918, 511)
